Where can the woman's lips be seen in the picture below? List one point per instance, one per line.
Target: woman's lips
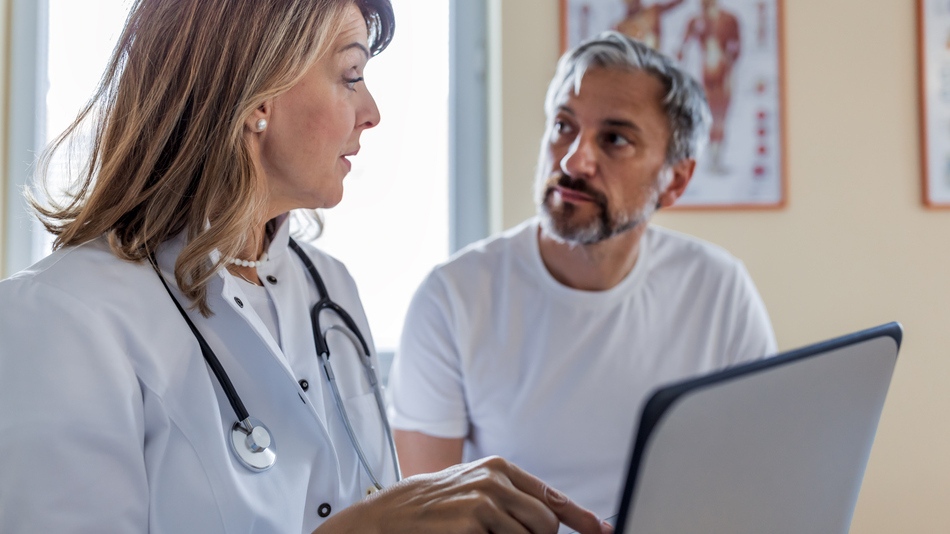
(349, 155)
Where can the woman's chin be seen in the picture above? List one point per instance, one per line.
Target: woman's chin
(331, 198)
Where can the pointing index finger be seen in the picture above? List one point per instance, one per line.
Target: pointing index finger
(580, 519)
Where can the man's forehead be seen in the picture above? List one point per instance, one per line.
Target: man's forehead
(623, 87)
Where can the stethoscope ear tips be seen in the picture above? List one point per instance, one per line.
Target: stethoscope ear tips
(253, 445)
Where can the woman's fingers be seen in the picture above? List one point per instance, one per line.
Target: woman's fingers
(515, 502)
(490, 495)
(569, 513)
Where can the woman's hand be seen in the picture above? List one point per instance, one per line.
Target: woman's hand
(490, 495)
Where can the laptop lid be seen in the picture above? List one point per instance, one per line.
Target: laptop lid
(778, 445)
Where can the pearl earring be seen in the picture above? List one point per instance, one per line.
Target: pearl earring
(261, 124)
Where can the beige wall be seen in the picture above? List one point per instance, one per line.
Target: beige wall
(854, 247)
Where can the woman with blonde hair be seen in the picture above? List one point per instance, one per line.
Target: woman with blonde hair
(167, 368)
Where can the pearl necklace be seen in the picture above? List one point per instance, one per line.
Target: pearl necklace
(248, 263)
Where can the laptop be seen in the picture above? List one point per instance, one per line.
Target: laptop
(778, 445)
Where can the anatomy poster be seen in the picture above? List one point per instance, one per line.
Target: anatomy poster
(734, 48)
(935, 99)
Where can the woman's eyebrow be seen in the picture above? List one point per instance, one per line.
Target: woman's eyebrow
(358, 46)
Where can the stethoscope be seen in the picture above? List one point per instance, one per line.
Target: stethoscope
(251, 441)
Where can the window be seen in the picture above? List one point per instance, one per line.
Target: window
(81, 38)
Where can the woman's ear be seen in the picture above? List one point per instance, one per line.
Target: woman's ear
(682, 174)
(257, 121)
(254, 127)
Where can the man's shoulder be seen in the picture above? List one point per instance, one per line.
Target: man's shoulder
(489, 252)
(713, 280)
(673, 247)
(480, 267)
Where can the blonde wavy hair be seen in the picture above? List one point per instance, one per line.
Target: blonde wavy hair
(167, 147)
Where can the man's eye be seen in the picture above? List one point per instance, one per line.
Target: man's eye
(561, 127)
(613, 139)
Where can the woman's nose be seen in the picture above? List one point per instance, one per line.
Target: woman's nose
(368, 115)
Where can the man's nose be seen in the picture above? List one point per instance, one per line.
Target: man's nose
(581, 158)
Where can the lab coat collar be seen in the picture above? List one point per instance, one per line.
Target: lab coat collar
(280, 241)
(169, 251)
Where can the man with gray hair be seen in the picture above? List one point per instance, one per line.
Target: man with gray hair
(541, 344)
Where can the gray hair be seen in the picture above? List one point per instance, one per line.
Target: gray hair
(684, 104)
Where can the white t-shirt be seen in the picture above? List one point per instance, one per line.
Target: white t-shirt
(495, 350)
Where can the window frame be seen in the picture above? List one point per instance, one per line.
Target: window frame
(25, 129)
(468, 123)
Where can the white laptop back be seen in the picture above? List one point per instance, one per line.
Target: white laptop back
(774, 446)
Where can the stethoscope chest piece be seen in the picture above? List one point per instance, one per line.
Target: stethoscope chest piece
(253, 445)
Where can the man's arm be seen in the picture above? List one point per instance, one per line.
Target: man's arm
(751, 334)
(421, 453)
(427, 407)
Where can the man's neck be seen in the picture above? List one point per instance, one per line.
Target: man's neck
(596, 267)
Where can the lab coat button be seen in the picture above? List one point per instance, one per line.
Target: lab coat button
(272, 279)
(323, 510)
(304, 385)
(371, 490)
(239, 303)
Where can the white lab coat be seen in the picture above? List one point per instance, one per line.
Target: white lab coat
(112, 421)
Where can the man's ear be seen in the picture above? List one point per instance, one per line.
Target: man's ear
(682, 174)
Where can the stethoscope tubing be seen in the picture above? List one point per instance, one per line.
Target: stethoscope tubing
(323, 354)
(346, 420)
(233, 398)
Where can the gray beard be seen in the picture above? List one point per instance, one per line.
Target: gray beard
(601, 228)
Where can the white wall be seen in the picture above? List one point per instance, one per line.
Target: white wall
(854, 247)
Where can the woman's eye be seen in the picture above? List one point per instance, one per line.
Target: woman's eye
(351, 82)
